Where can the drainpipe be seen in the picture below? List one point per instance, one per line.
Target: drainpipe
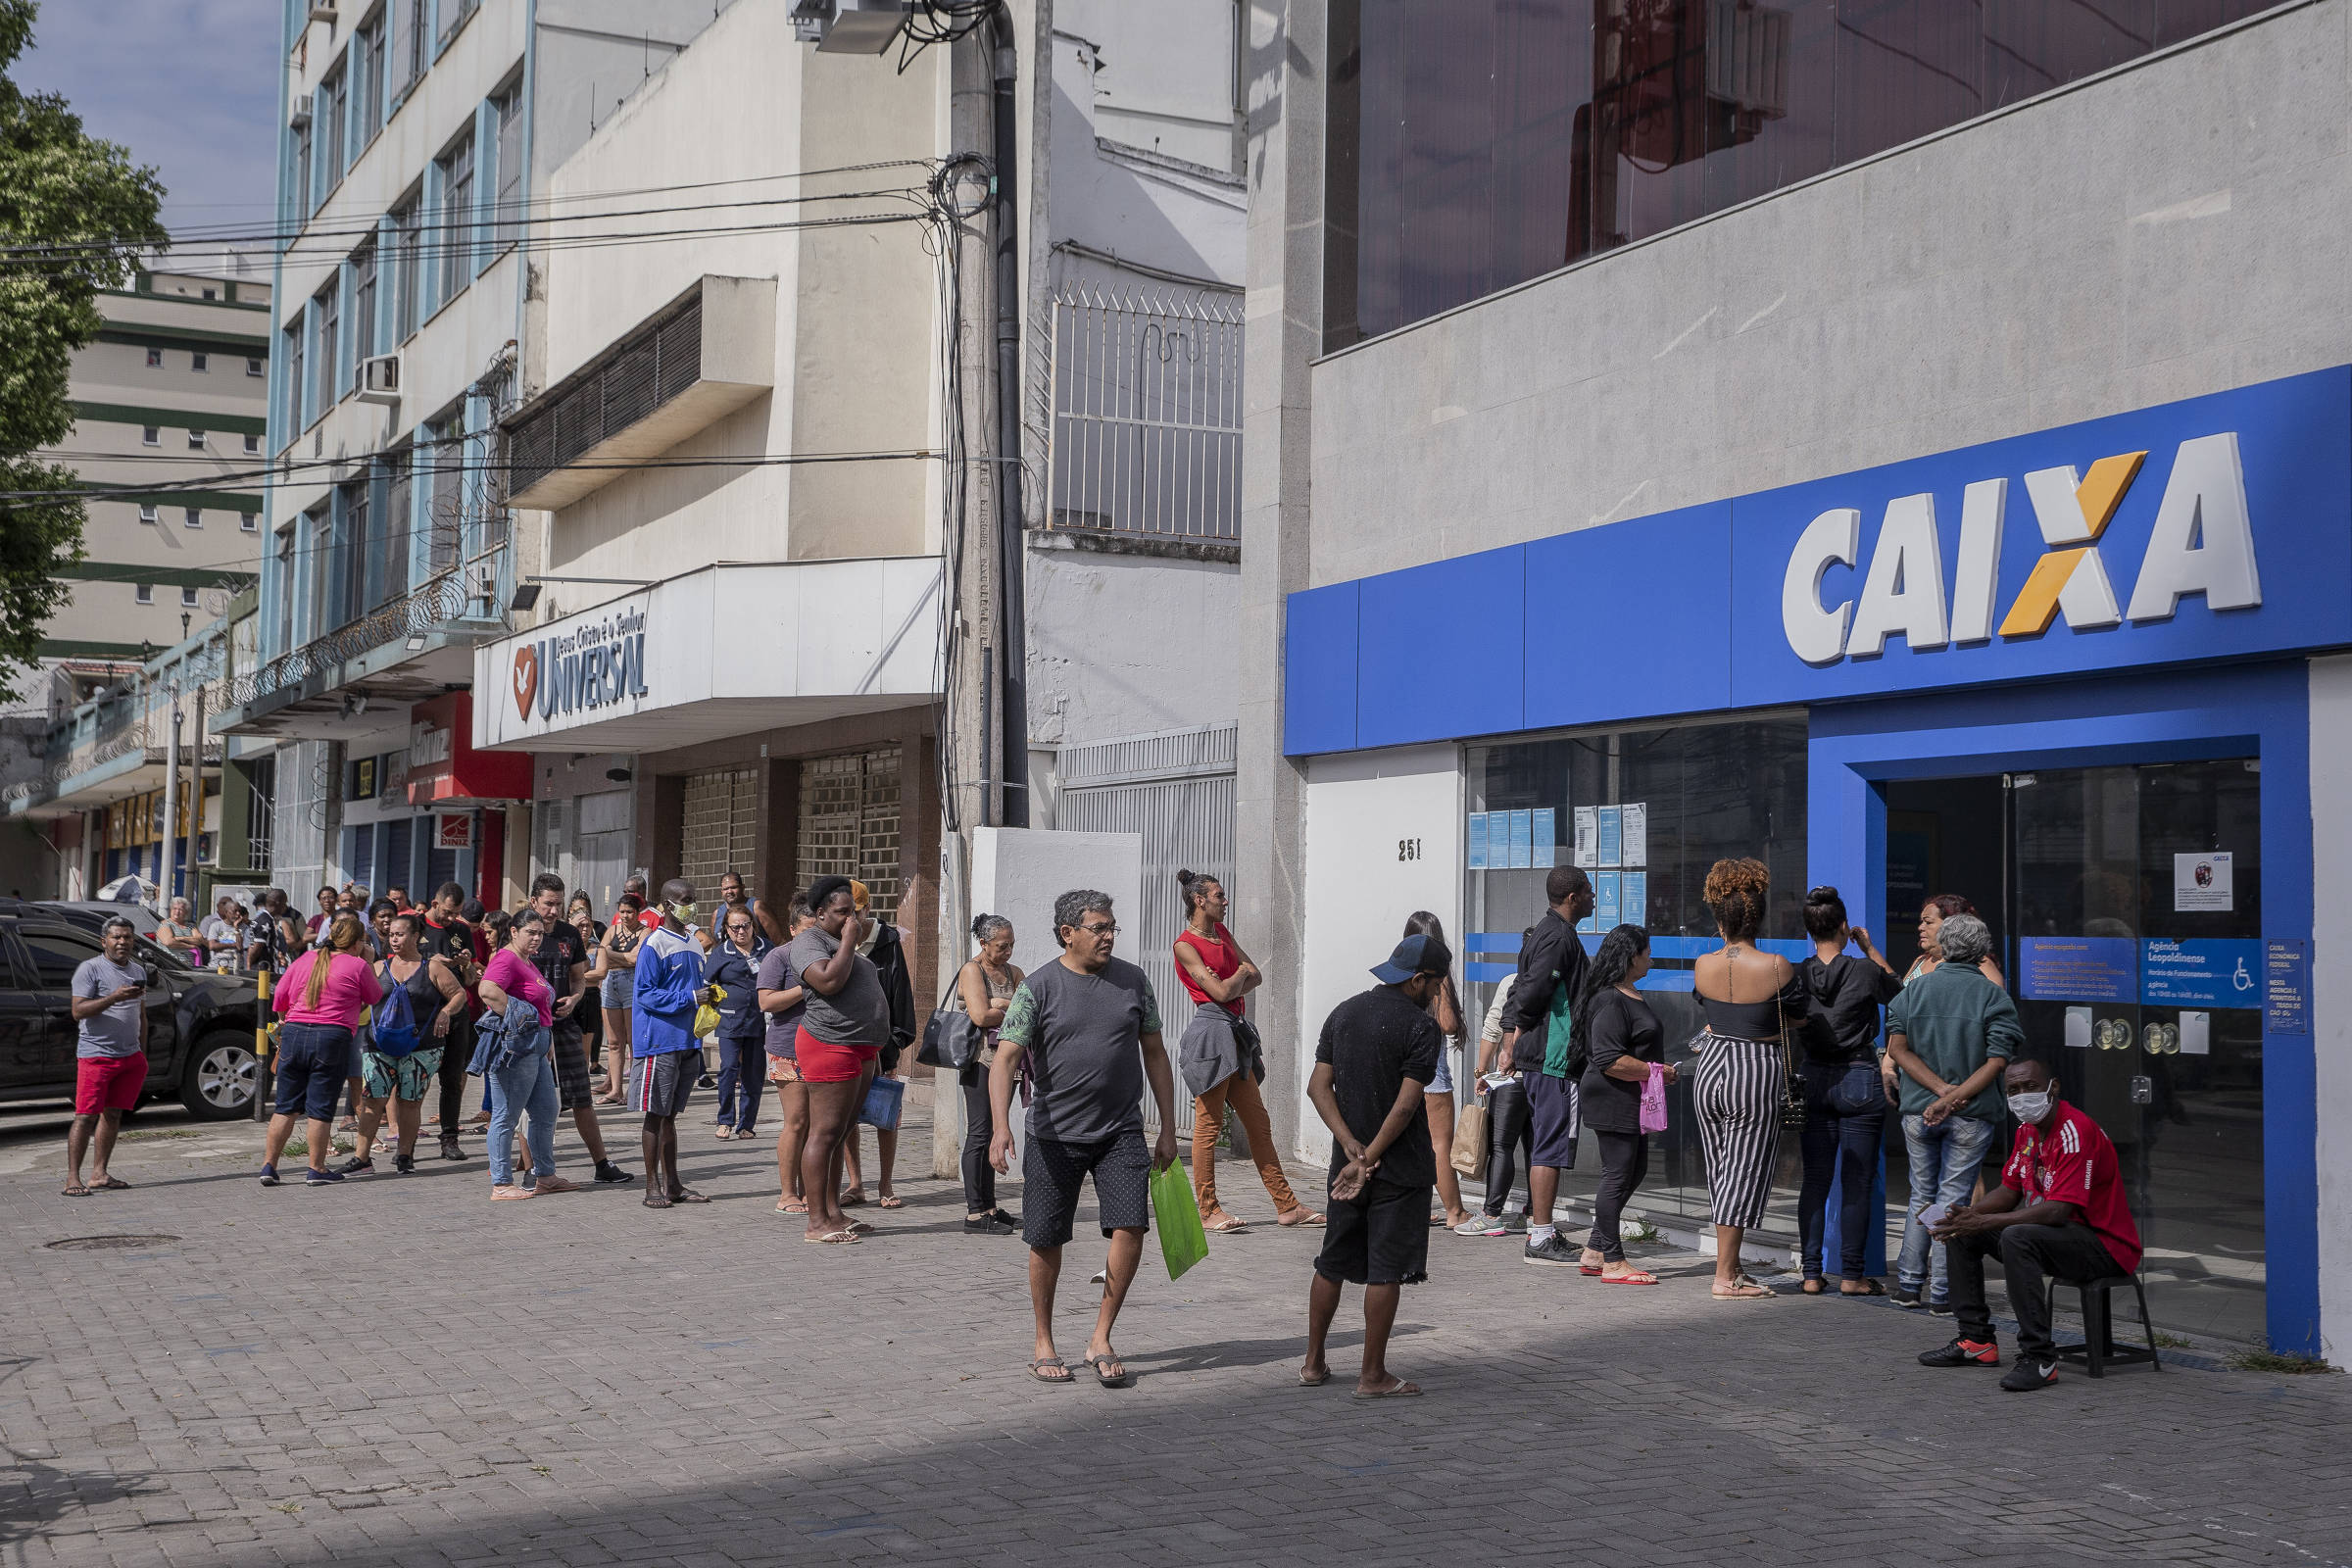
(1012, 754)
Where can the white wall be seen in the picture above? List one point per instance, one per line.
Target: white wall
(2332, 993)
(1018, 873)
(1129, 645)
(1359, 807)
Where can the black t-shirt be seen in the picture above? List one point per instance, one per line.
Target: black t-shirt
(560, 951)
(1618, 1026)
(1374, 1041)
(1555, 948)
(1842, 1007)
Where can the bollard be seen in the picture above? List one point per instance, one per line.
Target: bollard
(265, 1073)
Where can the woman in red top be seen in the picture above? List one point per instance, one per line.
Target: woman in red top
(322, 997)
(1217, 974)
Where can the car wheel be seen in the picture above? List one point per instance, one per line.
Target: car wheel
(222, 1079)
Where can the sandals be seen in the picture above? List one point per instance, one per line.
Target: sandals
(851, 1199)
(1314, 1380)
(1104, 1375)
(890, 1200)
(1744, 1289)
(1869, 1287)
(1224, 1224)
(788, 1207)
(1635, 1276)
(1813, 1286)
(510, 1194)
(1399, 1389)
(1310, 1222)
(1039, 1367)
(687, 1194)
(78, 1190)
(839, 1239)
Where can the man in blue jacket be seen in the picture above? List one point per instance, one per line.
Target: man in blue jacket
(668, 1056)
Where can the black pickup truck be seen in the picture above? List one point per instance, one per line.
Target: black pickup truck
(199, 1025)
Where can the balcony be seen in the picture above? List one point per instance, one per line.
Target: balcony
(114, 746)
(705, 354)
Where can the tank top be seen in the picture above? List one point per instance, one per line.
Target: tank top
(424, 997)
(1756, 1020)
(1217, 957)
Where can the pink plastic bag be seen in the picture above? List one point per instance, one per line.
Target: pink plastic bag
(1654, 1101)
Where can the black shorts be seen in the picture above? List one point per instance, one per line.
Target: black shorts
(1379, 1236)
(313, 1063)
(570, 1051)
(1551, 1114)
(1051, 1172)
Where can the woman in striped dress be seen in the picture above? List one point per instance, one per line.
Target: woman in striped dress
(1743, 1072)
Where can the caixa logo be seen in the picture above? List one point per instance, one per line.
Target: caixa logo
(2202, 543)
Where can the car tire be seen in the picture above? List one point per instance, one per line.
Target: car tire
(222, 1076)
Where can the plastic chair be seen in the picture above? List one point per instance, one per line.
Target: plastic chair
(2098, 1349)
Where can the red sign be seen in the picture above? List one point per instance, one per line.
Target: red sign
(444, 766)
(452, 830)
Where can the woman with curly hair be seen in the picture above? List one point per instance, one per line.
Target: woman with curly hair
(1742, 1069)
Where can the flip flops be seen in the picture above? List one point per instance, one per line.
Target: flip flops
(687, 1194)
(1036, 1370)
(1636, 1277)
(78, 1190)
(1224, 1225)
(890, 1200)
(1310, 1222)
(833, 1239)
(1399, 1390)
(1104, 1376)
(113, 1184)
(1314, 1380)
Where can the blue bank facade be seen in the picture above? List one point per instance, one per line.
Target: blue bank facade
(2068, 677)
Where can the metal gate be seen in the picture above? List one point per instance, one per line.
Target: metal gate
(720, 829)
(1176, 791)
(848, 824)
(585, 841)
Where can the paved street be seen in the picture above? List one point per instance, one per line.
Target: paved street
(394, 1372)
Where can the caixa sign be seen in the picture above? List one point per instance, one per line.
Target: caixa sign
(2201, 545)
(2218, 527)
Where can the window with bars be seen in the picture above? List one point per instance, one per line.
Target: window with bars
(720, 829)
(848, 824)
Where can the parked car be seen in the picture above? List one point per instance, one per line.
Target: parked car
(95, 913)
(200, 1025)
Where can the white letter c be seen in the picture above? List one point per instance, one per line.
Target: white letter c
(1817, 635)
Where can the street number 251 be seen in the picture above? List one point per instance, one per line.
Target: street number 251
(1408, 849)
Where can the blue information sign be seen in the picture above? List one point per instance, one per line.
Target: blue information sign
(1522, 827)
(1612, 835)
(1636, 898)
(1478, 841)
(2287, 986)
(2201, 972)
(2078, 968)
(1607, 905)
(1547, 837)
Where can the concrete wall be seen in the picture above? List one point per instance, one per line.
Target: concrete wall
(1126, 644)
(2331, 993)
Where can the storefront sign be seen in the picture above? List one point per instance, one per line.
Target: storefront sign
(2078, 969)
(599, 661)
(443, 765)
(452, 830)
(2200, 972)
(2287, 986)
(2203, 881)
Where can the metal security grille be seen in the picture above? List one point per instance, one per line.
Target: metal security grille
(645, 371)
(720, 830)
(1147, 414)
(1176, 790)
(848, 824)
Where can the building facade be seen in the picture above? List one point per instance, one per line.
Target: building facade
(1850, 437)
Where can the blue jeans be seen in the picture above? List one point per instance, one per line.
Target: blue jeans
(1845, 1114)
(1944, 1169)
(742, 1078)
(529, 1086)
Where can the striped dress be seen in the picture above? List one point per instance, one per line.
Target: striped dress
(1736, 1094)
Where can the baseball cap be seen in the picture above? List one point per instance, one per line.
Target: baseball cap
(1415, 954)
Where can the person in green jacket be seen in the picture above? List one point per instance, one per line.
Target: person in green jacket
(1950, 1032)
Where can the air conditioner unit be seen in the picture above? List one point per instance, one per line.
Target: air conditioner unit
(323, 11)
(852, 27)
(380, 379)
(302, 113)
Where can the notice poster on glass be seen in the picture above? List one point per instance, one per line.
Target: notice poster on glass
(1545, 851)
(1608, 908)
(1477, 840)
(1588, 837)
(1635, 886)
(2078, 969)
(1522, 829)
(1635, 816)
(1612, 835)
(2204, 881)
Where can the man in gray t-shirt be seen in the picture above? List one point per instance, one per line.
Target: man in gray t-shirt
(111, 1058)
(1087, 1026)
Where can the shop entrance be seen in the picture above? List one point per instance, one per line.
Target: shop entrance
(2125, 904)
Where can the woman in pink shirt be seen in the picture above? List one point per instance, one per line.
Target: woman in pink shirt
(527, 1083)
(320, 997)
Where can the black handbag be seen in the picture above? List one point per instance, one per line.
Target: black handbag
(951, 1040)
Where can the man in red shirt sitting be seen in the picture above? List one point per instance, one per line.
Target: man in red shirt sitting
(2059, 1210)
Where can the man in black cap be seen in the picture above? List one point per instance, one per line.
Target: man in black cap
(1378, 1051)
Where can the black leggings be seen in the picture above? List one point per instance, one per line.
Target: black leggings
(1509, 1131)
(454, 1054)
(979, 1176)
(1624, 1161)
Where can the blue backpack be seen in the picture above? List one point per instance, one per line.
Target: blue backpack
(396, 1032)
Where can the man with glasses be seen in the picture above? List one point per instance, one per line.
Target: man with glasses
(1088, 1027)
(563, 963)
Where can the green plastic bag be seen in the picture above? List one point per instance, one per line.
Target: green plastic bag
(1183, 1239)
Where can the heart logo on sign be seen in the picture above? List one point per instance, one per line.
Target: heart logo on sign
(526, 680)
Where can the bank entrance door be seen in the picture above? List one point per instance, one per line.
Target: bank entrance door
(2126, 907)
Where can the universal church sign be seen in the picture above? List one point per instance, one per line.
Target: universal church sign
(598, 663)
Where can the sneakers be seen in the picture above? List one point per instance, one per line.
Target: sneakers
(320, 1178)
(358, 1165)
(608, 1172)
(404, 1164)
(1906, 1297)
(451, 1148)
(1940, 1309)
(1482, 1225)
(706, 1081)
(1964, 1353)
(1552, 1252)
(986, 1225)
(2029, 1372)
(269, 1175)
(1514, 1221)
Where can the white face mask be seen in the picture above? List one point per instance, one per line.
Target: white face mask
(2030, 1109)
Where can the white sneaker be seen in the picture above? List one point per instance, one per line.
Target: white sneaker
(1482, 1225)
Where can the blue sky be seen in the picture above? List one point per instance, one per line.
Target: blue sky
(189, 86)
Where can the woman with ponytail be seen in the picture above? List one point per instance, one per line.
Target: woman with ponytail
(1623, 1039)
(322, 997)
(984, 986)
(1743, 1072)
(1220, 1057)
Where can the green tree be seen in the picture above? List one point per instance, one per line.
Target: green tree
(73, 212)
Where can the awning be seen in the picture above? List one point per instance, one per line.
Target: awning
(726, 650)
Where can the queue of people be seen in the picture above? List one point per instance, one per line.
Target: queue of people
(815, 1000)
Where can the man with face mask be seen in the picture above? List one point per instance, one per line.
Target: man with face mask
(668, 1057)
(2059, 1211)
(1378, 1051)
